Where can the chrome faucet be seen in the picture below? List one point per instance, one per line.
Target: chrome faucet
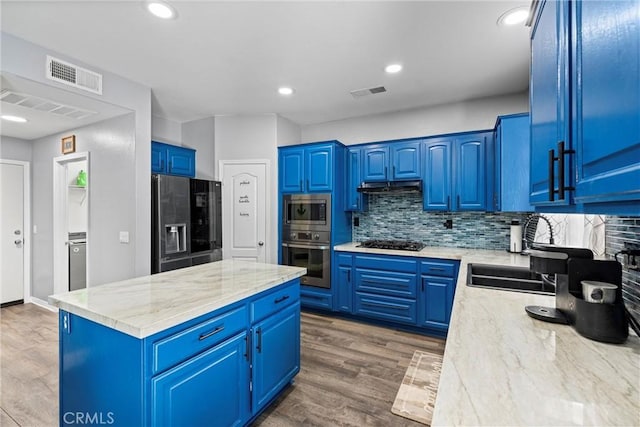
(529, 237)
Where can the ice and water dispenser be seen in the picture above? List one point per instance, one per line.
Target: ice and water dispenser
(175, 238)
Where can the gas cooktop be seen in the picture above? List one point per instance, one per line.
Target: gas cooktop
(400, 245)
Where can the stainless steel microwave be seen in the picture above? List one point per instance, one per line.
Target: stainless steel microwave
(307, 211)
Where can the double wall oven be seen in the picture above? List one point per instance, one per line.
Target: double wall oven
(306, 236)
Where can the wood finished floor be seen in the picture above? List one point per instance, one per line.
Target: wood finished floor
(350, 372)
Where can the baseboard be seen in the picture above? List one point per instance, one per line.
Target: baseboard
(42, 303)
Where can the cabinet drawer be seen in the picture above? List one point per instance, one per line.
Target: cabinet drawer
(438, 268)
(386, 308)
(274, 302)
(181, 346)
(386, 282)
(390, 263)
(316, 300)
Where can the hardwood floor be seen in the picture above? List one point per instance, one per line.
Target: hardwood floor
(349, 376)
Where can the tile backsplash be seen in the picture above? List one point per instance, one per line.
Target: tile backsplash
(400, 216)
(618, 231)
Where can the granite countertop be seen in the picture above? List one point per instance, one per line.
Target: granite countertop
(502, 367)
(146, 305)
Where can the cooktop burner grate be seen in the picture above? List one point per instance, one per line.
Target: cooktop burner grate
(400, 245)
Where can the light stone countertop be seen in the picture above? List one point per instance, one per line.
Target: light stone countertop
(146, 305)
(503, 368)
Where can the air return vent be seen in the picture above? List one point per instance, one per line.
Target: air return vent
(72, 75)
(44, 105)
(359, 93)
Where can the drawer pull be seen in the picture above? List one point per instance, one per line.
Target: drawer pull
(247, 348)
(279, 300)
(210, 334)
(436, 268)
(371, 304)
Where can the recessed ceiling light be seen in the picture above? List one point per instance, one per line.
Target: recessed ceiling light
(393, 68)
(514, 16)
(285, 90)
(14, 118)
(161, 9)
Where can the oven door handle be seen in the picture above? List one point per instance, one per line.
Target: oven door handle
(295, 245)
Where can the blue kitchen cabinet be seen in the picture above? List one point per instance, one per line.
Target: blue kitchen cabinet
(437, 289)
(375, 159)
(172, 160)
(512, 163)
(437, 175)
(456, 173)
(306, 169)
(355, 201)
(392, 161)
(343, 273)
(605, 41)
(549, 103)
(205, 388)
(276, 354)
(291, 167)
(220, 368)
(314, 297)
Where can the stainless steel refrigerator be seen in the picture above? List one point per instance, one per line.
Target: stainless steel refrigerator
(186, 222)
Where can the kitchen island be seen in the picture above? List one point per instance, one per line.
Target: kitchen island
(212, 344)
(503, 368)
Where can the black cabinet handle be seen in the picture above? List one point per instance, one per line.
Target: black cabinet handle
(552, 184)
(423, 286)
(436, 268)
(562, 187)
(385, 172)
(204, 336)
(448, 202)
(259, 344)
(393, 171)
(307, 184)
(247, 348)
(279, 300)
(348, 276)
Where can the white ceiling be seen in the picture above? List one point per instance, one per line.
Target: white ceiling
(229, 57)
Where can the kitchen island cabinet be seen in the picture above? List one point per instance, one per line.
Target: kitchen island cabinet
(210, 344)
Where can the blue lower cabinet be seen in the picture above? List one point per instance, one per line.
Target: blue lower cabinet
(436, 302)
(208, 389)
(316, 298)
(276, 354)
(402, 310)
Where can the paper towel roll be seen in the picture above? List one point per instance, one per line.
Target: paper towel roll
(515, 244)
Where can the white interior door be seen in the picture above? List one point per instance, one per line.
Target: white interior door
(245, 212)
(12, 229)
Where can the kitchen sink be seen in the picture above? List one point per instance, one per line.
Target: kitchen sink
(517, 279)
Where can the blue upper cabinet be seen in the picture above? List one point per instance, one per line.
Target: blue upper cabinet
(437, 178)
(292, 170)
(306, 170)
(606, 102)
(392, 161)
(375, 159)
(457, 173)
(512, 164)
(405, 160)
(354, 201)
(549, 103)
(172, 160)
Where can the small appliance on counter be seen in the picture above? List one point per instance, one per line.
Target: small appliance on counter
(591, 315)
(515, 243)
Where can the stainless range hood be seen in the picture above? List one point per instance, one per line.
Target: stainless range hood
(390, 187)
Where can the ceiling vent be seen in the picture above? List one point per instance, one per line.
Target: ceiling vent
(72, 75)
(359, 93)
(44, 105)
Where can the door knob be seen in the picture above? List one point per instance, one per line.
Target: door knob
(17, 242)
(260, 243)
(17, 232)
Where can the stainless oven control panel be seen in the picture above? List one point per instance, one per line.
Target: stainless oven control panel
(289, 235)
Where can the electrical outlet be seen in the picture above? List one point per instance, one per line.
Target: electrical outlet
(448, 224)
(356, 221)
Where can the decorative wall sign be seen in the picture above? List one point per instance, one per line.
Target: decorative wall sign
(244, 210)
(69, 144)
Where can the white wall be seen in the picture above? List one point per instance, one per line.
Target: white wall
(287, 132)
(442, 119)
(165, 130)
(112, 201)
(27, 60)
(245, 137)
(15, 149)
(200, 135)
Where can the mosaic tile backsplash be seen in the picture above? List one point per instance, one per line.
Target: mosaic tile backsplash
(619, 230)
(400, 216)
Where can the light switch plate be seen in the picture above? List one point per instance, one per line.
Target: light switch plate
(124, 237)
